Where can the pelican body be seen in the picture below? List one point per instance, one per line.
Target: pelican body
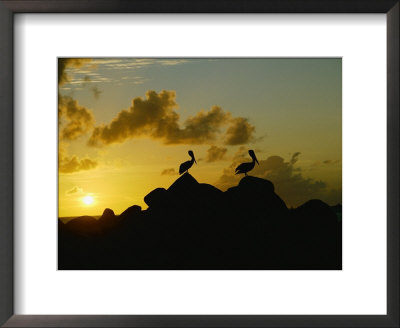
(185, 166)
(246, 167)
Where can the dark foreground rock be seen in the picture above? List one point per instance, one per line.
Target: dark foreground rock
(193, 225)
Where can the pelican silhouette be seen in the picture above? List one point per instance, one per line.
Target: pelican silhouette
(185, 166)
(246, 167)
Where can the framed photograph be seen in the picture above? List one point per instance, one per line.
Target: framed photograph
(204, 164)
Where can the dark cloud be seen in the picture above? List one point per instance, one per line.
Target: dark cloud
(155, 117)
(71, 164)
(74, 164)
(289, 182)
(215, 153)
(239, 132)
(201, 128)
(294, 158)
(74, 121)
(326, 162)
(74, 190)
(228, 178)
(330, 161)
(169, 172)
(64, 63)
(79, 119)
(96, 92)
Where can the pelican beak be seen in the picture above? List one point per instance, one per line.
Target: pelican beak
(194, 160)
(256, 159)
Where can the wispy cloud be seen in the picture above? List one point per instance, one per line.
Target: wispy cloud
(170, 171)
(74, 190)
(84, 78)
(136, 63)
(80, 71)
(330, 161)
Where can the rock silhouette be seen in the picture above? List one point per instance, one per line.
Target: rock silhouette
(194, 225)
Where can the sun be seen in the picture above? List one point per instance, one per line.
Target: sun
(88, 200)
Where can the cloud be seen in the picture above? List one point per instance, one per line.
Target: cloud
(80, 80)
(74, 190)
(79, 119)
(240, 132)
(71, 164)
(215, 153)
(96, 92)
(170, 62)
(135, 63)
(325, 162)
(295, 158)
(155, 117)
(126, 64)
(200, 128)
(74, 164)
(330, 161)
(170, 171)
(64, 63)
(228, 178)
(241, 155)
(289, 182)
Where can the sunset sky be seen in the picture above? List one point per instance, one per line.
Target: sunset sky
(126, 124)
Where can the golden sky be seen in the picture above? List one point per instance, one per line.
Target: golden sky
(126, 124)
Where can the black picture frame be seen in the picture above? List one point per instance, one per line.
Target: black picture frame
(7, 10)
